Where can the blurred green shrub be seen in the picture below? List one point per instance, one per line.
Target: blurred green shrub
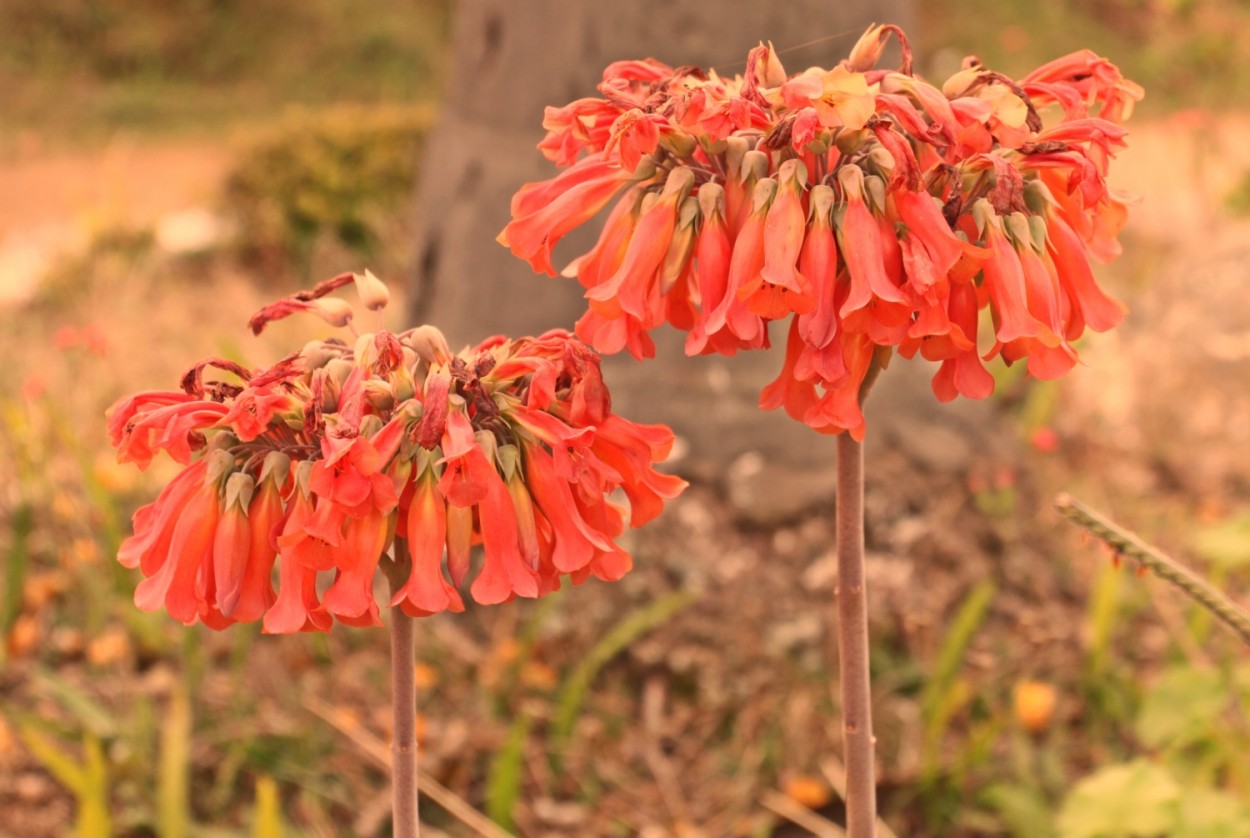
(218, 40)
(78, 71)
(346, 174)
(1237, 200)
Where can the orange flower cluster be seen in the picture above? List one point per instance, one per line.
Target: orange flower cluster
(322, 462)
(876, 211)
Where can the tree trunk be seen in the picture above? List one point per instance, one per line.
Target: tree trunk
(508, 61)
(511, 59)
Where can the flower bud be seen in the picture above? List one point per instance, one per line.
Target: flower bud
(711, 145)
(1037, 197)
(793, 170)
(754, 165)
(1037, 232)
(820, 202)
(645, 171)
(222, 441)
(220, 466)
(378, 395)
(316, 354)
(958, 84)
(334, 311)
(680, 245)
(765, 191)
(982, 214)
(867, 50)
(680, 180)
(403, 387)
(338, 371)
(372, 291)
(364, 351)
(429, 344)
(769, 71)
(1019, 229)
(459, 542)
(881, 162)
(370, 425)
(434, 406)
(276, 468)
(711, 199)
(736, 148)
(678, 143)
(239, 488)
(874, 191)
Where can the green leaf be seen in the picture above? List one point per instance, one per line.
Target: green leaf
(23, 521)
(503, 783)
(171, 783)
(1023, 810)
(1226, 544)
(1181, 707)
(1207, 813)
(1104, 611)
(63, 767)
(938, 691)
(1137, 799)
(93, 803)
(90, 713)
(573, 692)
(268, 809)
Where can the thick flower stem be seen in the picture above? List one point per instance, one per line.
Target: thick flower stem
(404, 741)
(861, 789)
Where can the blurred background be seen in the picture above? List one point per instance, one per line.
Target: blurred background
(165, 169)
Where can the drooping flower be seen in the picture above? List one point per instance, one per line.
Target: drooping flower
(391, 453)
(874, 210)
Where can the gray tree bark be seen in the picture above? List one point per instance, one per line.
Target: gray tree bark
(510, 58)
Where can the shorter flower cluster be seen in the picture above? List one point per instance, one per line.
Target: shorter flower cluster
(390, 452)
(877, 211)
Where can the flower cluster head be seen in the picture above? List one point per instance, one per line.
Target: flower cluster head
(875, 210)
(389, 451)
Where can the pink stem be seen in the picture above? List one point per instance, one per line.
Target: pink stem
(404, 742)
(861, 788)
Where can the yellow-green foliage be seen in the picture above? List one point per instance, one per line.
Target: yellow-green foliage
(346, 173)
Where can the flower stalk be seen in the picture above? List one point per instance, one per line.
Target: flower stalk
(405, 820)
(852, 597)
(404, 741)
(1125, 543)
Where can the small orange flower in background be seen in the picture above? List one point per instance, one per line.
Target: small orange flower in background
(876, 211)
(1034, 704)
(323, 462)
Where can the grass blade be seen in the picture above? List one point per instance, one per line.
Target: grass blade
(90, 713)
(15, 567)
(171, 784)
(573, 692)
(503, 785)
(268, 809)
(943, 691)
(93, 804)
(63, 768)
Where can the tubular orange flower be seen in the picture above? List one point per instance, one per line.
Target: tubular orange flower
(321, 462)
(844, 198)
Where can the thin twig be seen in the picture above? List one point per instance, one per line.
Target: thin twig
(1128, 544)
(375, 749)
(857, 738)
(800, 815)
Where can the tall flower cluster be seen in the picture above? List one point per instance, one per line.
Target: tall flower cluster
(390, 451)
(876, 211)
